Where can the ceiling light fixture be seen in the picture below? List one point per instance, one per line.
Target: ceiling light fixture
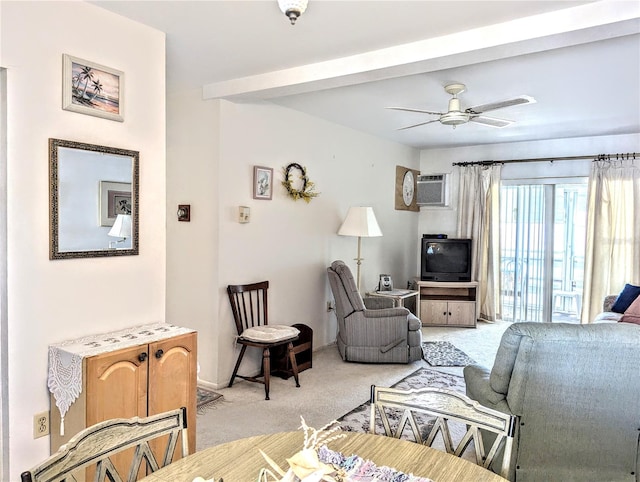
(293, 8)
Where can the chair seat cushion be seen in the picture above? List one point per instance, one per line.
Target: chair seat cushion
(270, 333)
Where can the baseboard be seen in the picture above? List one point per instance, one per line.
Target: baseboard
(210, 385)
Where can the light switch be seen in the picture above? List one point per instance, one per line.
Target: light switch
(244, 214)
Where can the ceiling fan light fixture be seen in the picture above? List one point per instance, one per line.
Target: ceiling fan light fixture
(454, 118)
(293, 8)
(454, 104)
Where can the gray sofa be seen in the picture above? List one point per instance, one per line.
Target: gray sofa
(388, 335)
(576, 391)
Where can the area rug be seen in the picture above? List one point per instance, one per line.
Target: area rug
(357, 420)
(205, 399)
(444, 354)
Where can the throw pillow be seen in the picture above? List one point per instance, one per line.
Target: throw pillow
(270, 333)
(625, 298)
(632, 314)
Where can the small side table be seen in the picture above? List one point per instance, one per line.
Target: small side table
(303, 350)
(398, 297)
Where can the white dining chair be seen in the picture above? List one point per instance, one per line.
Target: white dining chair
(430, 411)
(100, 445)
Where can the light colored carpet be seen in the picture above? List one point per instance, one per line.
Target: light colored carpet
(328, 390)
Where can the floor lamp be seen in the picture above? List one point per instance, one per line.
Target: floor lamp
(360, 222)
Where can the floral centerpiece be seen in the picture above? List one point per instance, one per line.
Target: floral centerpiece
(306, 465)
(317, 463)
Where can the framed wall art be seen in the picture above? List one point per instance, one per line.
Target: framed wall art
(262, 182)
(115, 198)
(93, 89)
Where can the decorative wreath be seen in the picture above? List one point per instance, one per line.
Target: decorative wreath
(306, 192)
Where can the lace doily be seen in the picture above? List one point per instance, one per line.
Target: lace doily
(65, 359)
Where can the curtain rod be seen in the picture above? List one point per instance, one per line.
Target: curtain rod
(595, 157)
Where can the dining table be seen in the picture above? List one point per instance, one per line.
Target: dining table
(241, 460)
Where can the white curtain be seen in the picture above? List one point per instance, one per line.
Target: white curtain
(479, 219)
(613, 232)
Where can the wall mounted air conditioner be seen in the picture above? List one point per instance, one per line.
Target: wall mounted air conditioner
(433, 190)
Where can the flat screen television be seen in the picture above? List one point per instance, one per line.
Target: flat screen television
(445, 259)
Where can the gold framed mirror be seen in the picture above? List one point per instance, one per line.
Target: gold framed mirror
(93, 196)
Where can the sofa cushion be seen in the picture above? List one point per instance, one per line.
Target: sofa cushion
(607, 317)
(625, 298)
(632, 314)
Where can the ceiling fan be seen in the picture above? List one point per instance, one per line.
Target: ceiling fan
(455, 116)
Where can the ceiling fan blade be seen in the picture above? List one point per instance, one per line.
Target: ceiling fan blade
(417, 125)
(479, 109)
(490, 121)
(406, 109)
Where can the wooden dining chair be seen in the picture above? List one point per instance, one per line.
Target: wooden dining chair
(100, 445)
(250, 313)
(429, 411)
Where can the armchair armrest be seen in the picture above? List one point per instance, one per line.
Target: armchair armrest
(387, 313)
(377, 302)
(403, 314)
(377, 328)
(476, 378)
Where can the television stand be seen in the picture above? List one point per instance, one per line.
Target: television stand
(444, 303)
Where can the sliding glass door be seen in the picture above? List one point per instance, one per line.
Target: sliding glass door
(542, 239)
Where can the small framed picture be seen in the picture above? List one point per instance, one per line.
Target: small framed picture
(262, 182)
(115, 198)
(93, 89)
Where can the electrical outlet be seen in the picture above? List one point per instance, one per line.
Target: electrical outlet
(40, 424)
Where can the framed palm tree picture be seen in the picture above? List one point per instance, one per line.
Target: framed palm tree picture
(93, 89)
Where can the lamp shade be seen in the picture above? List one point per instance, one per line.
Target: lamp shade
(121, 226)
(360, 221)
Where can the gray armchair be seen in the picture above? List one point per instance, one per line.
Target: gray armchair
(389, 335)
(576, 391)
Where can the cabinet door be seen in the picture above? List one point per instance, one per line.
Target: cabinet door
(117, 385)
(433, 312)
(117, 388)
(173, 379)
(462, 313)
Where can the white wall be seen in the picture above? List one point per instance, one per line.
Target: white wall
(192, 247)
(290, 243)
(50, 301)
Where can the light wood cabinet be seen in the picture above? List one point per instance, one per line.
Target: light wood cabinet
(139, 380)
(448, 303)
